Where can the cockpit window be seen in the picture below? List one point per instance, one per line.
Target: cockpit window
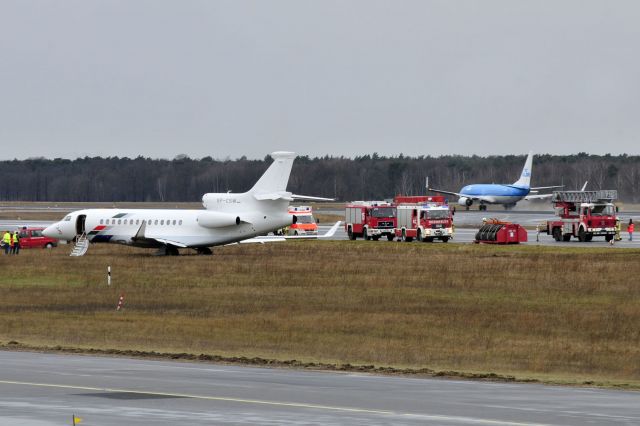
(67, 219)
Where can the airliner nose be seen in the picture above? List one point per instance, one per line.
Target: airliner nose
(50, 231)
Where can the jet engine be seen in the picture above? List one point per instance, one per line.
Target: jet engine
(211, 219)
(465, 201)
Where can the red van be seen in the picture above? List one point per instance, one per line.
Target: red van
(33, 238)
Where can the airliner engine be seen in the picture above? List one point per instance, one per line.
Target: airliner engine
(211, 219)
(465, 201)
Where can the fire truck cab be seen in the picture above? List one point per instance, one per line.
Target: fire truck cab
(584, 215)
(305, 223)
(370, 220)
(429, 221)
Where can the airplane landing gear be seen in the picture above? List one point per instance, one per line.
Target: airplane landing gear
(167, 251)
(204, 251)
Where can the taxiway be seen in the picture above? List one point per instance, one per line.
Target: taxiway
(47, 389)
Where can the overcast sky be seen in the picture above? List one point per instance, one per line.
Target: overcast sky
(231, 78)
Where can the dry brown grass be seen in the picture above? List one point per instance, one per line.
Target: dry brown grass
(528, 311)
(326, 219)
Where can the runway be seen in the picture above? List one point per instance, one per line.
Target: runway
(462, 236)
(467, 235)
(46, 389)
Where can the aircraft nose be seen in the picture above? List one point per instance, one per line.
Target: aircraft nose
(51, 231)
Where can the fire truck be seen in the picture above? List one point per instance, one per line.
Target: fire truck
(424, 218)
(584, 215)
(305, 223)
(370, 220)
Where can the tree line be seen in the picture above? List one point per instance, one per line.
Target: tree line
(365, 177)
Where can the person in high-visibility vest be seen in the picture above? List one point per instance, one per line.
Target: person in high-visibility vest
(16, 243)
(6, 241)
(630, 227)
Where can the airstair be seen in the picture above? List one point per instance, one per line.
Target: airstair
(81, 246)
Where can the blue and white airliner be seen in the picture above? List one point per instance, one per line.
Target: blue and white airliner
(506, 194)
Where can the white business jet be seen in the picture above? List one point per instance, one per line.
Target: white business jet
(227, 218)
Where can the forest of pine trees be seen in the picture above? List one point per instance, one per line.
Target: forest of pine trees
(373, 176)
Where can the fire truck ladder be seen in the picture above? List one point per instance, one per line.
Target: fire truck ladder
(584, 196)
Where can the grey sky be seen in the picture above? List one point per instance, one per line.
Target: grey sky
(231, 78)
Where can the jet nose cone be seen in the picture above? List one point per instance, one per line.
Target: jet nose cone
(51, 231)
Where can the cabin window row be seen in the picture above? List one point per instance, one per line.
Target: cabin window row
(167, 222)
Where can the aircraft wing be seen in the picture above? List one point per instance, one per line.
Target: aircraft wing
(169, 242)
(262, 239)
(288, 196)
(547, 187)
(330, 233)
(440, 191)
(140, 235)
(310, 198)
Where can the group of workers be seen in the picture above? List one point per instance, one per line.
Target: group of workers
(10, 242)
(630, 229)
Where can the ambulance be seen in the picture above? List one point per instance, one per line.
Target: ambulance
(304, 222)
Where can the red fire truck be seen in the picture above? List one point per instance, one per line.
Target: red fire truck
(584, 215)
(370, 220)
(424, 218)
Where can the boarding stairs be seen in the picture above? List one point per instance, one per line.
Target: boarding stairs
(81, 246)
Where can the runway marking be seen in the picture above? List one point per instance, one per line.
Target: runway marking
(445, 418)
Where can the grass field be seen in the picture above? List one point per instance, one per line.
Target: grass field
(552, 314)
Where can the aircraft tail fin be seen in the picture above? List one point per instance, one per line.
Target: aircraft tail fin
(276, 178)
(525, 176)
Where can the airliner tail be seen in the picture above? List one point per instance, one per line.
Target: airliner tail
(525, 176)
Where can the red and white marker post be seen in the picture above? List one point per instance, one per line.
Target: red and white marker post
(120, 302)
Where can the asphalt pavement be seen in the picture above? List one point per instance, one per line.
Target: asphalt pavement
(47, 389)
(467, 223)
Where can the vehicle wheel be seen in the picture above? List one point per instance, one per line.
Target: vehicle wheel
(608, 237)
(588, 237)
(566, 237)
(350, 233)
(445, 239)
(365, 234)
(375, 238)
(390, 237)
(582, 236)
(429, 239)
(49, 245)
(557, 234)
